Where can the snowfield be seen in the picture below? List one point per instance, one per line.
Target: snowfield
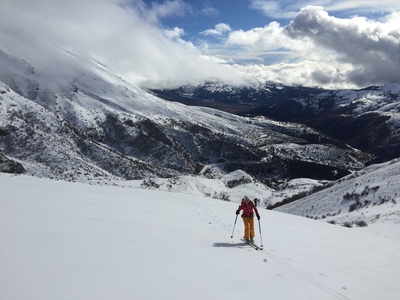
(370, 195)
(65, 240)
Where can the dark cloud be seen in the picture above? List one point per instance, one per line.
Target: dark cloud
(371, 48)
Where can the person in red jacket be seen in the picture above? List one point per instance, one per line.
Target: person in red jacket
(249, 209)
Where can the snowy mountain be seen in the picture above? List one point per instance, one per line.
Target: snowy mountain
(234, 99)
(368, 196)
(367, 119)
(83, 122)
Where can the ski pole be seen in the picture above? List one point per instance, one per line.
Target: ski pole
(234, 226)
(259, 226)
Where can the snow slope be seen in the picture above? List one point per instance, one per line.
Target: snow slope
(64, 240)
(370, 195)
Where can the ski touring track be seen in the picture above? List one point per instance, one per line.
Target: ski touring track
(219, 225)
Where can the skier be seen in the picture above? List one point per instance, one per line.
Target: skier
(248, 208)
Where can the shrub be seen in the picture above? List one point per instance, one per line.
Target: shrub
(355, 206)
(361, 223)
(348, 225)
(287, 200)
(221, 195)
(224, 196)
(149, 183)
(235, 182)
(375, 188)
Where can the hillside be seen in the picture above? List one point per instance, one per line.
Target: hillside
(366, 119)
(365, 197)
(370, 195)
(234, 99)
(64, 240)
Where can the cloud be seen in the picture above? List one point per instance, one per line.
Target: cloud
(357, 7)
(210, 11)
(269, 37)
(175, 33)
(114, 32)
(275, 9)
(170, 8)
(371, 47)
(305, 73)
(158, 11)
(219, 29)
(319, 50)
(314, 49)
(287, 9)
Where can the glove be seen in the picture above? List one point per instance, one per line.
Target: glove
(258, 217)
(237, 212)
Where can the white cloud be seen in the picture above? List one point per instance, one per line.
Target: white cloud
(319, 49)
(174, 33)
(361, 6)
(306, 73)
(166, 9)
(210, 11)
(287, 9)
(269, 37)
(114, 33)
(218, 30)
(314, 49)
(275, 9)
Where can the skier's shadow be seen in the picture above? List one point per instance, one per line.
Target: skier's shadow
(229, 245)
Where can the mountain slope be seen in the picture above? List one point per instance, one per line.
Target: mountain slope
(370, 195)
(234, 99)
(86, 121)
(367, 119)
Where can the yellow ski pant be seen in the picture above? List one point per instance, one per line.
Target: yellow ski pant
(248, 228)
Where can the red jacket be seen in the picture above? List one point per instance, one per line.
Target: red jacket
(248, 209)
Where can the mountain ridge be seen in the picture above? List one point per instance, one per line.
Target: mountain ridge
(367, 119)
(234, 99)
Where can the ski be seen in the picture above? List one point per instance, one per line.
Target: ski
(253, 245)
(256, 246)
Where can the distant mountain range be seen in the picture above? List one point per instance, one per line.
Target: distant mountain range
(366, 119)
(234, 99)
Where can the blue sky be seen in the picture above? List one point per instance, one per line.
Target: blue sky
(200, 16)
(167, 43)
(211, 21)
